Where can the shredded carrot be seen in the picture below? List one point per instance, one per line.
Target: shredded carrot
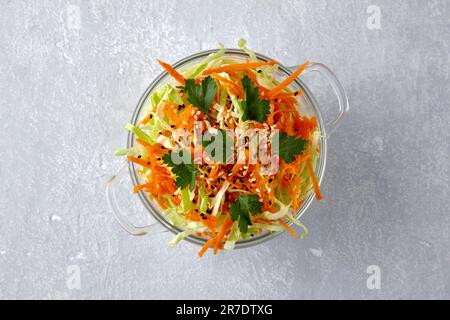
(289, 79)
(210, 222)
(261, 220)
(174, 73)
(314, 179)
(146, 119)
(226, 226)
(235, 170)
(213, 172)
(235, 88)
(251, 75)
(286, 226)
(239, 66)
(205, 247)
(140, 161)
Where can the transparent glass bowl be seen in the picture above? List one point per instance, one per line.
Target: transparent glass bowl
(307, 106)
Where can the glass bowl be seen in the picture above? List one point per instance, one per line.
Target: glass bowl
(307, 106)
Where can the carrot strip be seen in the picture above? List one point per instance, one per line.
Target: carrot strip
(205, 247)
(139, 161)
(174, 73)
(235, 170)
(236, 89)
(146, 119)
(226, 226)
(239, 66)
(314, 180)
(289, 79)
(213, 172)
(261, 220)
(286, 226)
(252, 76)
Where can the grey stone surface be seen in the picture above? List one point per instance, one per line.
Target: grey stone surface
(68, 85)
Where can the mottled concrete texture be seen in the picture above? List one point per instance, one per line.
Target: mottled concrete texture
(71, 73)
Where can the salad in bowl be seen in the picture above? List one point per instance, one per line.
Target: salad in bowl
(224, 150)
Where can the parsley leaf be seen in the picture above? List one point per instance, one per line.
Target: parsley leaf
(220, 141)
(254, 108)
(183, 168)
(289, 146)
(201, 95)
(241, 209)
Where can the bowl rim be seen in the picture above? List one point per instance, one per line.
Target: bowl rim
(156, 212)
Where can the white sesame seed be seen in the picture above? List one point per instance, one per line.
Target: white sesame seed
(257, 190)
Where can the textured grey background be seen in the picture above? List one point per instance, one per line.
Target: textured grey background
(66, 92)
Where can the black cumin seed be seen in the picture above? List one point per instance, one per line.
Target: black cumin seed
(158, 159)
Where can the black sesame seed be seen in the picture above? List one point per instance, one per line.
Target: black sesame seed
(252, 234)
(151, 116)
(158, 159)
(172, 126)
(259, 71)
(296, 93)
(270, 180)
(148, 163)
(139, 156)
